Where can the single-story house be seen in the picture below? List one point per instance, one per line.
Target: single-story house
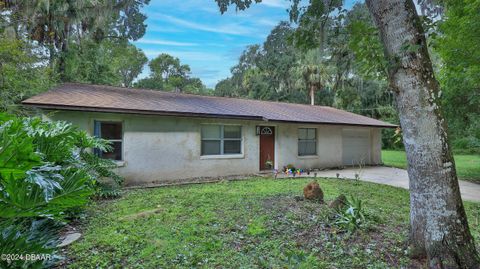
(161, 137)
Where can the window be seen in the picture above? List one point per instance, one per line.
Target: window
(221, 139)
(307, 141)
(110, 131)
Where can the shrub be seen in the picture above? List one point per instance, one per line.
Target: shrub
(466, 145)
(45, 172)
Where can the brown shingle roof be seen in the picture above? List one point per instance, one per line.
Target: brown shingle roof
(86, 97)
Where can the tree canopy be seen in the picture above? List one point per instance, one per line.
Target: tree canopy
(167, 73)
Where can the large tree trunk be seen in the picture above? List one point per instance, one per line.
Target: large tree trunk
(439, 227)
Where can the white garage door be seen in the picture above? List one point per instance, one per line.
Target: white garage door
(356, 147)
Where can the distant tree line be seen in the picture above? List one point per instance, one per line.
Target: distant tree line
(339, 58)
(343, 66)
(43, 43)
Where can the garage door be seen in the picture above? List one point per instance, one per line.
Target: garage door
(356, 147)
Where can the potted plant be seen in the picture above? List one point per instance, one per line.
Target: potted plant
(269, 164)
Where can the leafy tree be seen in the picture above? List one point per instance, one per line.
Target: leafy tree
(195, 86)
(22, 73)
(57, 23)
(280, 60)
(459, 49)
(256, 81)
(364, 42)
(167, 73)
(165, 66)
(225, 87)
(265, 72)
(106, 62)
(149, 83)
(91, 62)
(129, 61)
(313, 22)
(249, 59)
(279, 68)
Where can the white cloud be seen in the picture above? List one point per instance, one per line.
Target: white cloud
(187, 56)
(162, 29)
(232, 29)
(165, 42)
(268, 22)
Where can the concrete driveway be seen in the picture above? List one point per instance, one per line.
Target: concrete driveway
(396, 177)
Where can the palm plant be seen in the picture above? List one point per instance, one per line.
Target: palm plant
(314, 73)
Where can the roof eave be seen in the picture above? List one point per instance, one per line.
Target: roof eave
(339, 123)
(189, 114)
(140, 112)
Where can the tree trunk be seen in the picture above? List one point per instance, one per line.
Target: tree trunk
(439, 227)
(63, 52)
(312, 95)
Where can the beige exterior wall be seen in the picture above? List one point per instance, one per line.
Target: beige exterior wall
(160, 149)
(329, 146)
(376, 136)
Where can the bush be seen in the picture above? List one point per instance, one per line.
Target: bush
(46, 171)
(392, 139)
(466, 145)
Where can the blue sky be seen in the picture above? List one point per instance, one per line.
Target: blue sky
(196, 33)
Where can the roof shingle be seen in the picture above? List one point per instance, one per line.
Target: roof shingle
(87, 97)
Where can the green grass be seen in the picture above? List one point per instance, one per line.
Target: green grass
(245, 224)
(468, 166)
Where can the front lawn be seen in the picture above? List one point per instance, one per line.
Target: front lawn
(468, 166)
(245, 224)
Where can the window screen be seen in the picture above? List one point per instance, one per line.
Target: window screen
(307, 141)
(112, 132)
(221, 139)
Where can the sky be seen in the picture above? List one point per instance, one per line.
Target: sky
(209, 42)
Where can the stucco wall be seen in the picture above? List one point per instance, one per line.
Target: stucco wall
(329, 146)
(159, 149)
(376, 135)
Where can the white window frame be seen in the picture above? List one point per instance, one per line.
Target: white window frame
(222, 140)
(99, 135)
(310, 140)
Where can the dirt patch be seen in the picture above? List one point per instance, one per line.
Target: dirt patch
(311, 225)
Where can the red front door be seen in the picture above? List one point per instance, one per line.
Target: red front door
(267, 147)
